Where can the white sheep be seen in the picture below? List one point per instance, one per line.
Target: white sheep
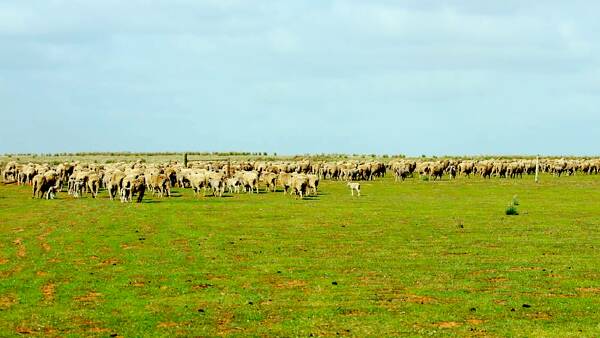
(354, 187)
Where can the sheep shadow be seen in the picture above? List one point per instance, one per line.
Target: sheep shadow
(311, 198)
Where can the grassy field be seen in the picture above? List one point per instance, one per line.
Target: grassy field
(412, 258)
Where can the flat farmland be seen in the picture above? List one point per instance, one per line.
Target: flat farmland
(411, 258)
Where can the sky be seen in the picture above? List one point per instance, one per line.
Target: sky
(294, 77)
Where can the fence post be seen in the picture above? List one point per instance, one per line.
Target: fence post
(537, 168)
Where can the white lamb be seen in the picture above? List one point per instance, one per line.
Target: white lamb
(354, 187)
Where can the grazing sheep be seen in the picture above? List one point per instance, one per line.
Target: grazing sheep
(299, 185)
(114, 184)
(42, 183)
(354, 186)
(160, 184)
(313, 183)
(233, 185)
(217, 186)
(270, 180)
(132, 187)
(93, 184)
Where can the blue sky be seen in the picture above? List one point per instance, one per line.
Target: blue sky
(413, 77)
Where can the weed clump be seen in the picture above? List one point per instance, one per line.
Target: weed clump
(511, 209)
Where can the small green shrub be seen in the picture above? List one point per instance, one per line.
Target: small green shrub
(511, 210)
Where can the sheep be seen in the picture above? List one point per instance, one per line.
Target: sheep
(216, 186)
(132, 186)
(270, 180)
(233, 185)
(354, 186)
(299, 185)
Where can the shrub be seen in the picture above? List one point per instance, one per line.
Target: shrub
(511, 210)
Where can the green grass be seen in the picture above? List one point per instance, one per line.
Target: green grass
(412, 258)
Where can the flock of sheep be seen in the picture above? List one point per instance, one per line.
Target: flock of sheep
(300, 178)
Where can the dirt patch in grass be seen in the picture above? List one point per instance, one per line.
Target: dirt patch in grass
(418, 299)
(497, 280)
(91, 297)
(223, 327)
(3, 261)
(21, 252)
(167, 325)
(125, 246)
(525, 268)
(8, 273)
(291, 284)
(46, 247)
(48, 291)
(475, 321)
(109, 261)
(447, 325)
(23, 330)
(589, 290)
(42, 238)
(7, 301)
(483, 272)
(201, 286)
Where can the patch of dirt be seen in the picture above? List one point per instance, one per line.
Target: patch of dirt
(46, 247)
(16, 230)
(98, 330)
(7, 301)
(21, 252)
(48, 292)
(201, 286)
(475, 321)
(91, 297)
(223, 328)
(23, 330)
(137, 284)
(560, 295)
(500, 301)
(525, 268)
(291, 284)
(167, 324)
(8, 273)
(183, 244)
(54, 260)
(589, 290)
(540, 316)
(418, 299)
(125, 246)
(42, 239)
(3, 261)
(110, 261)
(49, 330)
(447, 325)
(497, 280)
(482, 272)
